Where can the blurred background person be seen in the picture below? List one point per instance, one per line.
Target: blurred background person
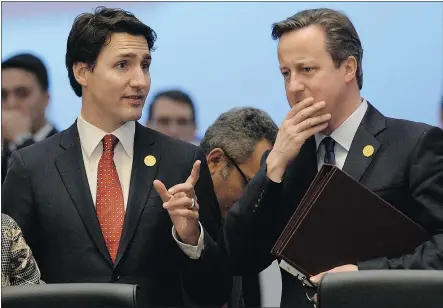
(25, 97)
(18, 263)
(173, 113)
(234, 145)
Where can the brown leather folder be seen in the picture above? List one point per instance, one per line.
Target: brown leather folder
(340, 222)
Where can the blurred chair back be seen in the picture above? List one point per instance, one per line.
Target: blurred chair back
(70, 295)
(382, 289)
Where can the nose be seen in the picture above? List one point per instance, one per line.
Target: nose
(294, 86)
(173, 129)
(141, 79)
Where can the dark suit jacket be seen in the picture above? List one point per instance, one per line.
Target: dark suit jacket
(406, 170)
(46, 191)
(6, 153)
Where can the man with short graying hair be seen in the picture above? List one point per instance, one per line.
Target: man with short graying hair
(234, 145)
(330, 122)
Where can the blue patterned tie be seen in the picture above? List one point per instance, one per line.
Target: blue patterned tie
(329, 144)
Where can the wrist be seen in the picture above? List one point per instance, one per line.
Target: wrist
(275, 167)
(190, 239)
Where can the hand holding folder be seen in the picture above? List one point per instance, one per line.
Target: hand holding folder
(340, 222)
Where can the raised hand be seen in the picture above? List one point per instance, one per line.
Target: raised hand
(181, 203)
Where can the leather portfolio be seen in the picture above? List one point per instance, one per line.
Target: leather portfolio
(339, 222)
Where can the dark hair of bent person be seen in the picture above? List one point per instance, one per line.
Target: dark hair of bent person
(238, 131)
(91, 31)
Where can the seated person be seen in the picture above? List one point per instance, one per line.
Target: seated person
(18, 264)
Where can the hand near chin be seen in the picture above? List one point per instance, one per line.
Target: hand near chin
(305, 119)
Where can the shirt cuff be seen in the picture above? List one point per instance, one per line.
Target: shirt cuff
(193, 252)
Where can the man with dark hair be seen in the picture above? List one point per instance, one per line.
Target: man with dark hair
(320, 58)
(92, 200)
(233, 146)
(25, 97)
(172, 113)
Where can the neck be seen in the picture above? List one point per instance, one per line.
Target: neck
(38, 125)
(342, 111)
(99, 119)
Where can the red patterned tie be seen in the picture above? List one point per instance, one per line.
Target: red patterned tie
(109, 203)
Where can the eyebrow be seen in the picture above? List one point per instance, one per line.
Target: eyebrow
(133, 55)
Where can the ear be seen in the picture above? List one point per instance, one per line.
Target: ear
(81, 73)
(350, 66)
(216, 160)
(46, 97)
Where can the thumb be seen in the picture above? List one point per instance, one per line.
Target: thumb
(316, 279)
(162, 191)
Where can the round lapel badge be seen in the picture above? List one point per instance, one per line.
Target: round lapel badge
(150, 160)
(368, 150)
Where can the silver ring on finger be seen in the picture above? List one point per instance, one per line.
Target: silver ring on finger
(193, 203)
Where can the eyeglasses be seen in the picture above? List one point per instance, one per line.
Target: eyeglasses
(236, 166)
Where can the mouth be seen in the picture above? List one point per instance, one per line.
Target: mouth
(135, 99)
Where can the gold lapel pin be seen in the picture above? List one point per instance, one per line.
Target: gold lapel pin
(150, 160)
(368, 150)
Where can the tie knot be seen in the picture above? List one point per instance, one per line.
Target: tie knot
(329, 144)
(109, 142)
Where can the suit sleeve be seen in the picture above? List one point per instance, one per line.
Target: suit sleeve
(426, 187)
(253, 225)
(207, 280)
(17, 197)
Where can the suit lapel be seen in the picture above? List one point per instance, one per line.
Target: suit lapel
(364, 146)
(142, 177)
(71, 167)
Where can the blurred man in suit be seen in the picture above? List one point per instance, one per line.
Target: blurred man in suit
(92, 200)
(172, 113)
(320, 56)
(233, 146)
(25, 97)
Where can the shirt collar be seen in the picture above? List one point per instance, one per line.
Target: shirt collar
(42, 133)
(91, 136)
(344, 134)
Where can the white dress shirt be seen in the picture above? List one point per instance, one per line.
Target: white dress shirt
(92, 149)
(43, 132)
(343, 136)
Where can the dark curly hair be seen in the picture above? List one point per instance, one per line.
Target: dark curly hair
(91, 31)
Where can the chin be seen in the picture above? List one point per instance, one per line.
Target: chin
(133, 115)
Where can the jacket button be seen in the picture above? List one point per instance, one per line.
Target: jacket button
(116, 277)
